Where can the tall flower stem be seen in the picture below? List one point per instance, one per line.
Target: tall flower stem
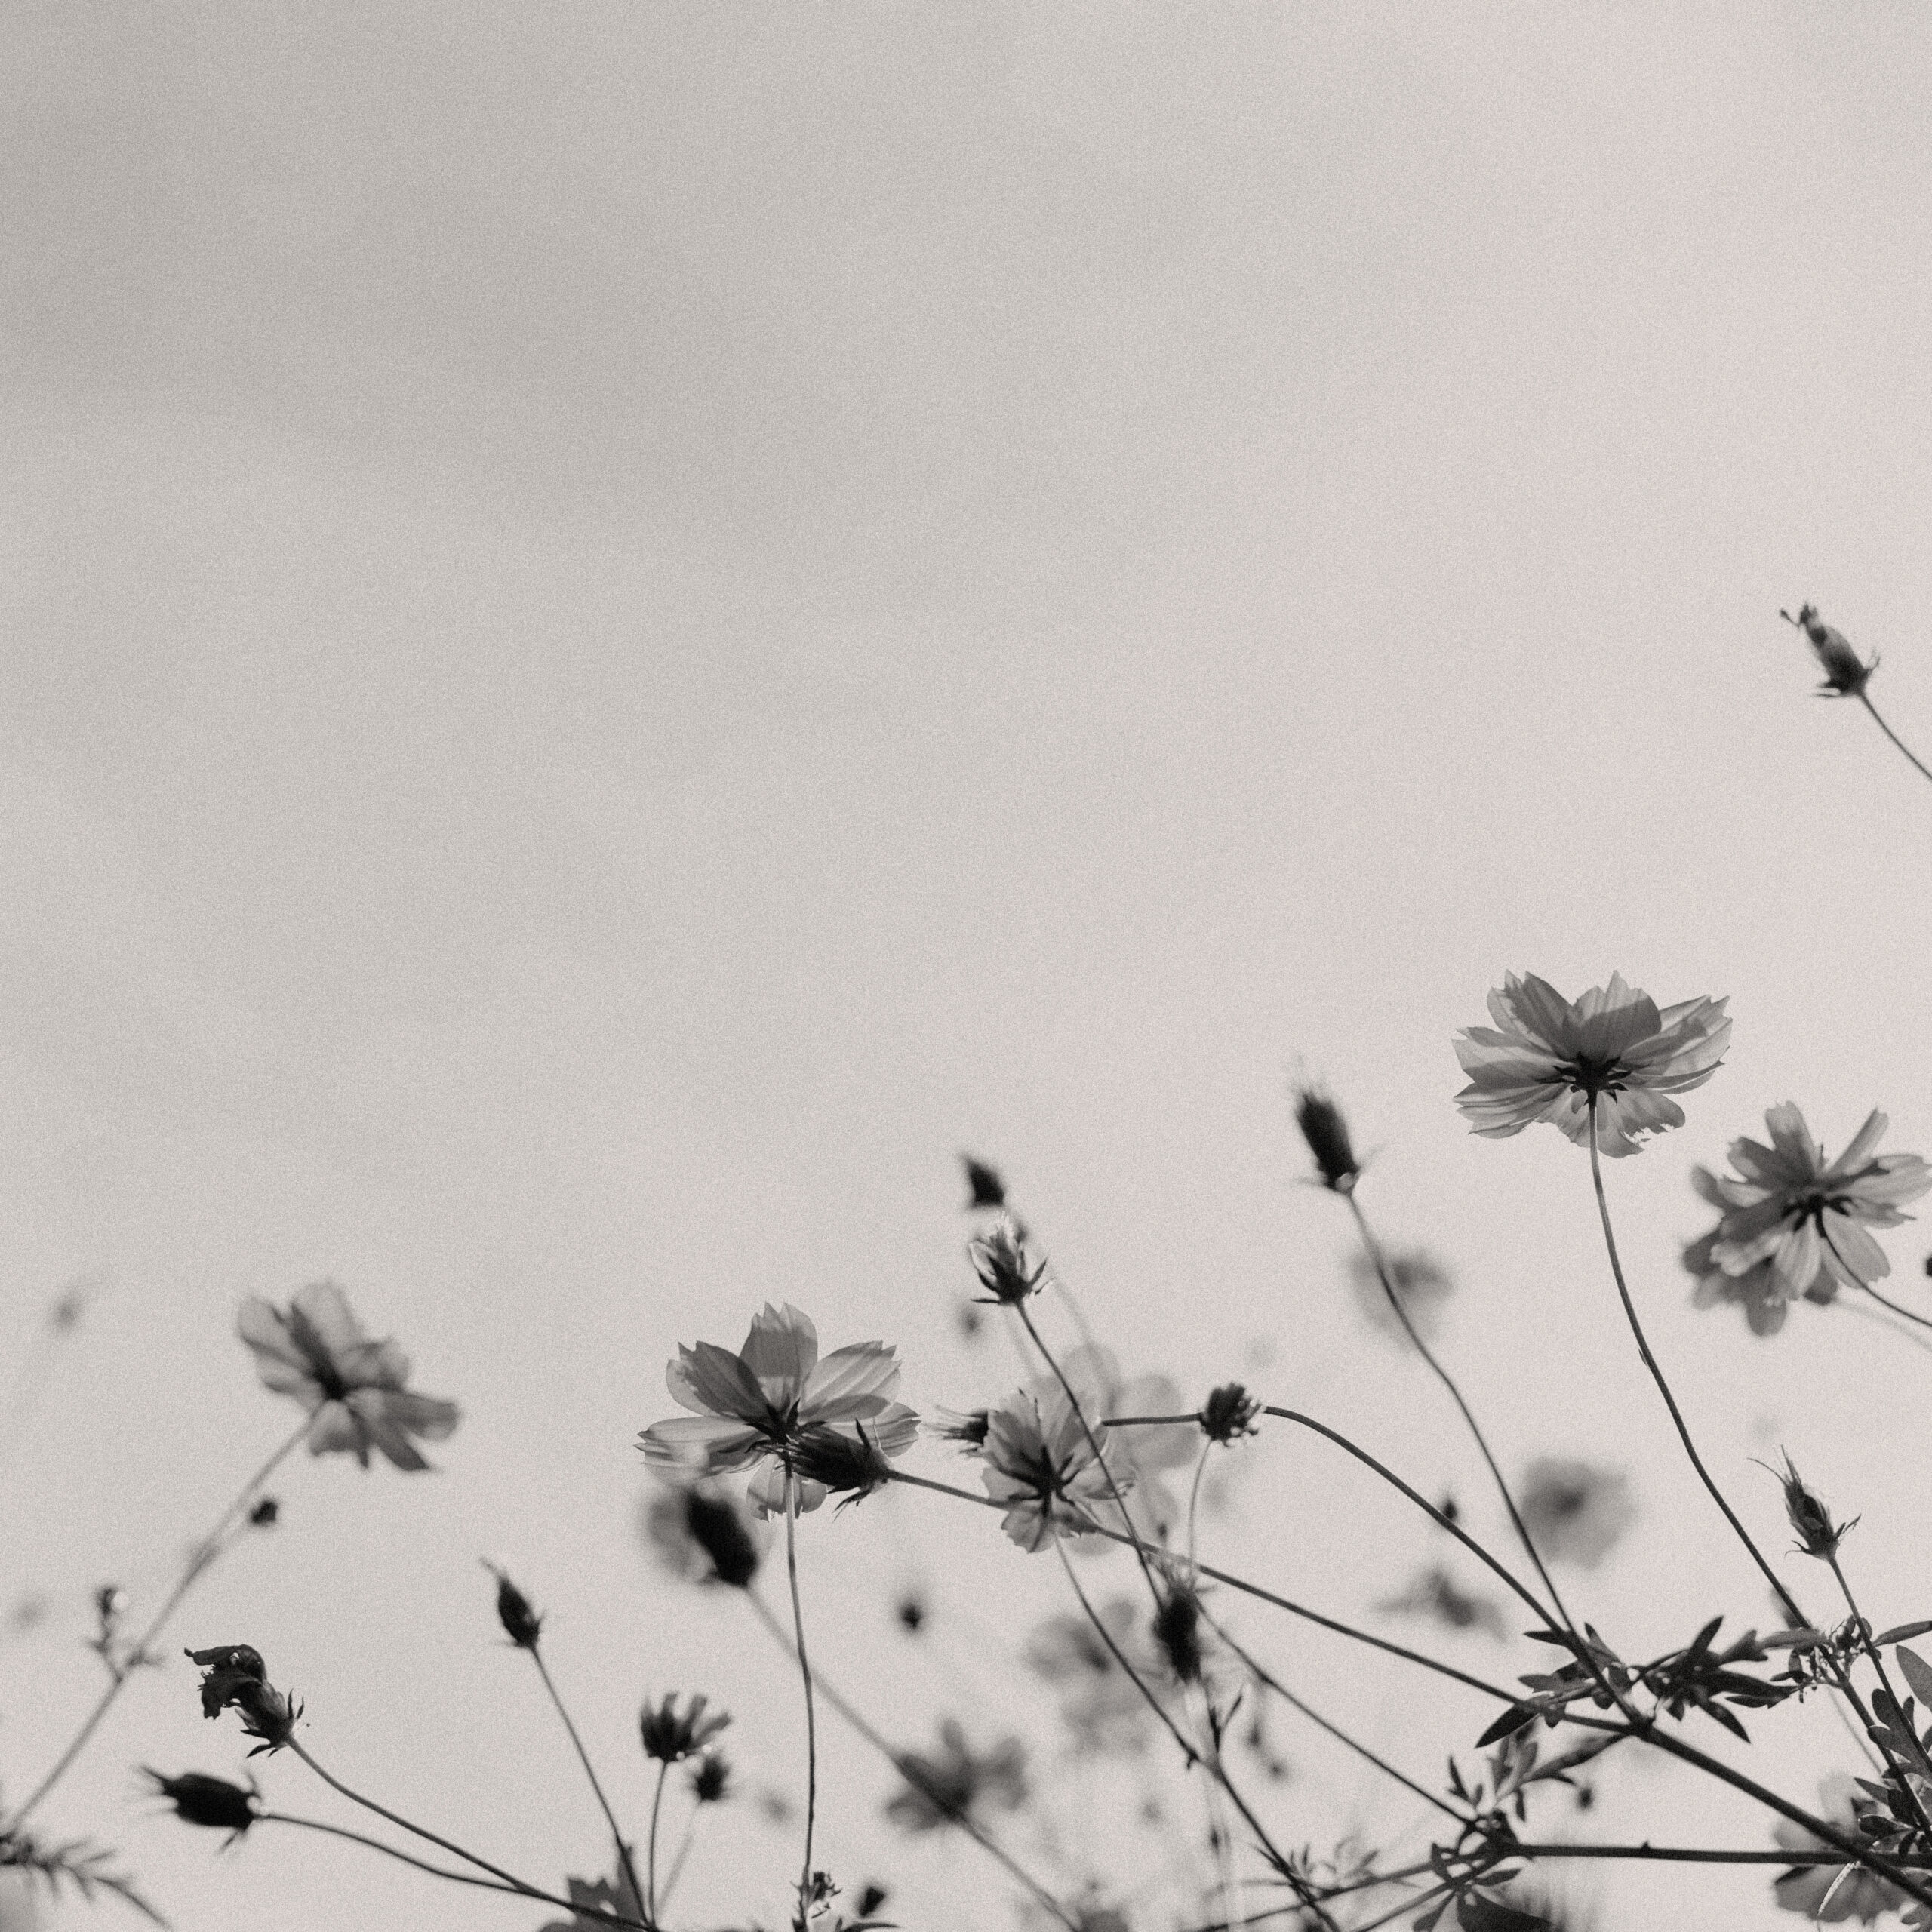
(204, 1554)
(1904, 750)
(1899, 1773)
(650, 1854)
(908, 1768)
(583, 1758)
(811, 1709)
(596, 1915)
(1189, 1753)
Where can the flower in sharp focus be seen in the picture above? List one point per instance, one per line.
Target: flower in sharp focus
(944, 1786)
(701, 1531)
(1806, 1511)
(1327, 1132)
(671, 1735)
(1807, 1217)
(1040, 1463)
(355, 1389)
(199, 1799)
(1830, 1894)
(1547, 1057)
(233, 1674)
(1574, 1510)
(1846, 674)
(752, 1407)
(999, 1259)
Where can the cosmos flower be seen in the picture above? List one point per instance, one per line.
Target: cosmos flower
(1806, 1218)
(1098, 1702)
(354, 1389)
(944, 1786)
(1547, 1057)
(1574, 1510)
(671, 1735)
(752, 1408)
(1142, 1455)
(233, 1674)
(1757, 1290)
(1422, 1284)
(1039, 1461)
(1829, 1894)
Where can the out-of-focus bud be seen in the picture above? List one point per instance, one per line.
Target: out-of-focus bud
(719, 1529)
(1327, 1133)
(983, 1184)
(1230, 1411)
(1817, 1535)
(710, 1778)
(849, 1465)
(968, 1430)
(1177, 1631)
(199, 1799)
(266, 1513)
(521, 1624)
(1846, 674)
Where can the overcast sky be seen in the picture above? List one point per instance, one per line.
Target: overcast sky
(627, 626)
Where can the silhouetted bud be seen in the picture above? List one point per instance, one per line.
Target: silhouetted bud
(233, 1674)
(199, 1799)
(1846, 674)
(1177, 1631)
(988, 1189)
(718, 1529)
(265, 1514)
(1327, 1133)
(1229, 1411)
(521, 1624)
(849, 1465)
(710, 1778)
(1817, 1535)
(670, 1734)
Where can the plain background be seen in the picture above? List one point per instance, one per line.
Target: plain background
(626, 626)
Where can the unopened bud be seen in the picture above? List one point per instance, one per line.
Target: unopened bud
(199, 1799)
(1846, 674)
(1327, 1133)
(521, 1624)
(849, 1465)
(999, 1259)
(1817, 1535)
(1230, 1411)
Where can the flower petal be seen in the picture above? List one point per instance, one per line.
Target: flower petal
(781, 1351)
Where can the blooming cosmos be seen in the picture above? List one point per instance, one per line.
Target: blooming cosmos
(754, 1407)
(943, 1786)
(1797, 1222)
(1039, 1461)
(1547, 1058)
(354, 1389)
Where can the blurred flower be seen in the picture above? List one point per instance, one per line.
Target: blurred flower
(1098, 1702)
(984, 1184)
(1144, 1454)
(1830, 1894)
(1422, 1285)
(353, 1389)
(591, 1896)
(199, 1799)
(1434, 1593)
(700, 1532)
(1327, 1133)
(1574, 1510)
(1546, 1056)
(233, 1674)
(1757, 1290)
(709, 1778)
(999, 1259)
(944, 1786)
(1807, 1217)
(751, 1408)
(1846, 674)
(968, 1430)
(670, 1735)
(1039, 1461)
(521, 1624)
(1805, 1509)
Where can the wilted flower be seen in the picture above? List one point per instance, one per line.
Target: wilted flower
(1832, 1894)
(353, 1389)
(1327, 1133)
(1846, 674)
(199, 1799)
(1040, 1462)
(1422, 1285)
(1807, 1217)
(670, 1735)
(710, 1778)
(1230, 1411)
(752, 1407)
(1817, 1535)
(999, 1259)
(521, 1624)
(1548, 1057)
(1434, 1593)
(1574, 1511)
(234, 1674)
(943, 1786)
(701, 1531)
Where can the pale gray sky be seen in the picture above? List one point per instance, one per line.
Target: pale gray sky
(626, 625)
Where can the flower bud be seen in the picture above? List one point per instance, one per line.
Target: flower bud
(710, 1778)
(853, 1466)
(1817, 1535)
(199, 1799)
(521, 1624)
(718, 1529)
(1327, 1133)
(968, 1430)
(1177, 1631)
(1230, 1411)
(999, 1259)
(1846, 675)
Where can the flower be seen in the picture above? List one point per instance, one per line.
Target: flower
(199, 1799)
(1230, 1411)
(1548, 1058)
(1144, 1454)
(353, 1388)
(670, 1735)
(234, 1674)
(1846, 674)
(1422, 1285)
(942, 1787)
(1807, 1217)
(1327, 1133)
(521, 1624)
(1574, 1511)
(999, 1259)
(1098, 1701)
(1757, 1290)
(968, 1430)
(701, 1533)
(1832, 1894)
(1040, 1462)
(753, 1406)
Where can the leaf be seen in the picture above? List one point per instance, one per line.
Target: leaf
(1510, 1721)
(1917, 1674)
(1475, 1913)
(1899, 1633)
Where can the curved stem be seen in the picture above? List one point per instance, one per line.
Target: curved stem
(1896, 740)
(811, 1712)
(1884, 1302)
(1133, 1676)
(583, 1758)
(203, 1553)
(650, 1854)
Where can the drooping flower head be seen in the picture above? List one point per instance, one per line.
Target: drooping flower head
(1788, 1210)
(233, 1674)
(1039, 1461)
(1846, 674)
(355, 1389)
(1547, 1058)
(751, 1409)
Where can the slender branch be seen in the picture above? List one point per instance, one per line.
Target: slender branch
(1885, 1301)
(650, 1854)
(1900, 1776)
(583, 1757)
(811, 1709)
(1133, 1676)
(203, 1553)
(1899, 742)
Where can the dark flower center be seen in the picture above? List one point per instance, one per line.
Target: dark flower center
(1592, 1075)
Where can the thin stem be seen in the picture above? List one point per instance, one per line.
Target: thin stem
(1255, 1590)
(594, 1913)
(1883, 1302)
(1893, 736)
(1373, 1250)
(1133, 1676)
(1871, 1650)
(583, 1757)
(909, 1770)
(811, 1712)
(650, 1854)
(199, 1558)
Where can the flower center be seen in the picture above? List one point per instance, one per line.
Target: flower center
(1591, 1076)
